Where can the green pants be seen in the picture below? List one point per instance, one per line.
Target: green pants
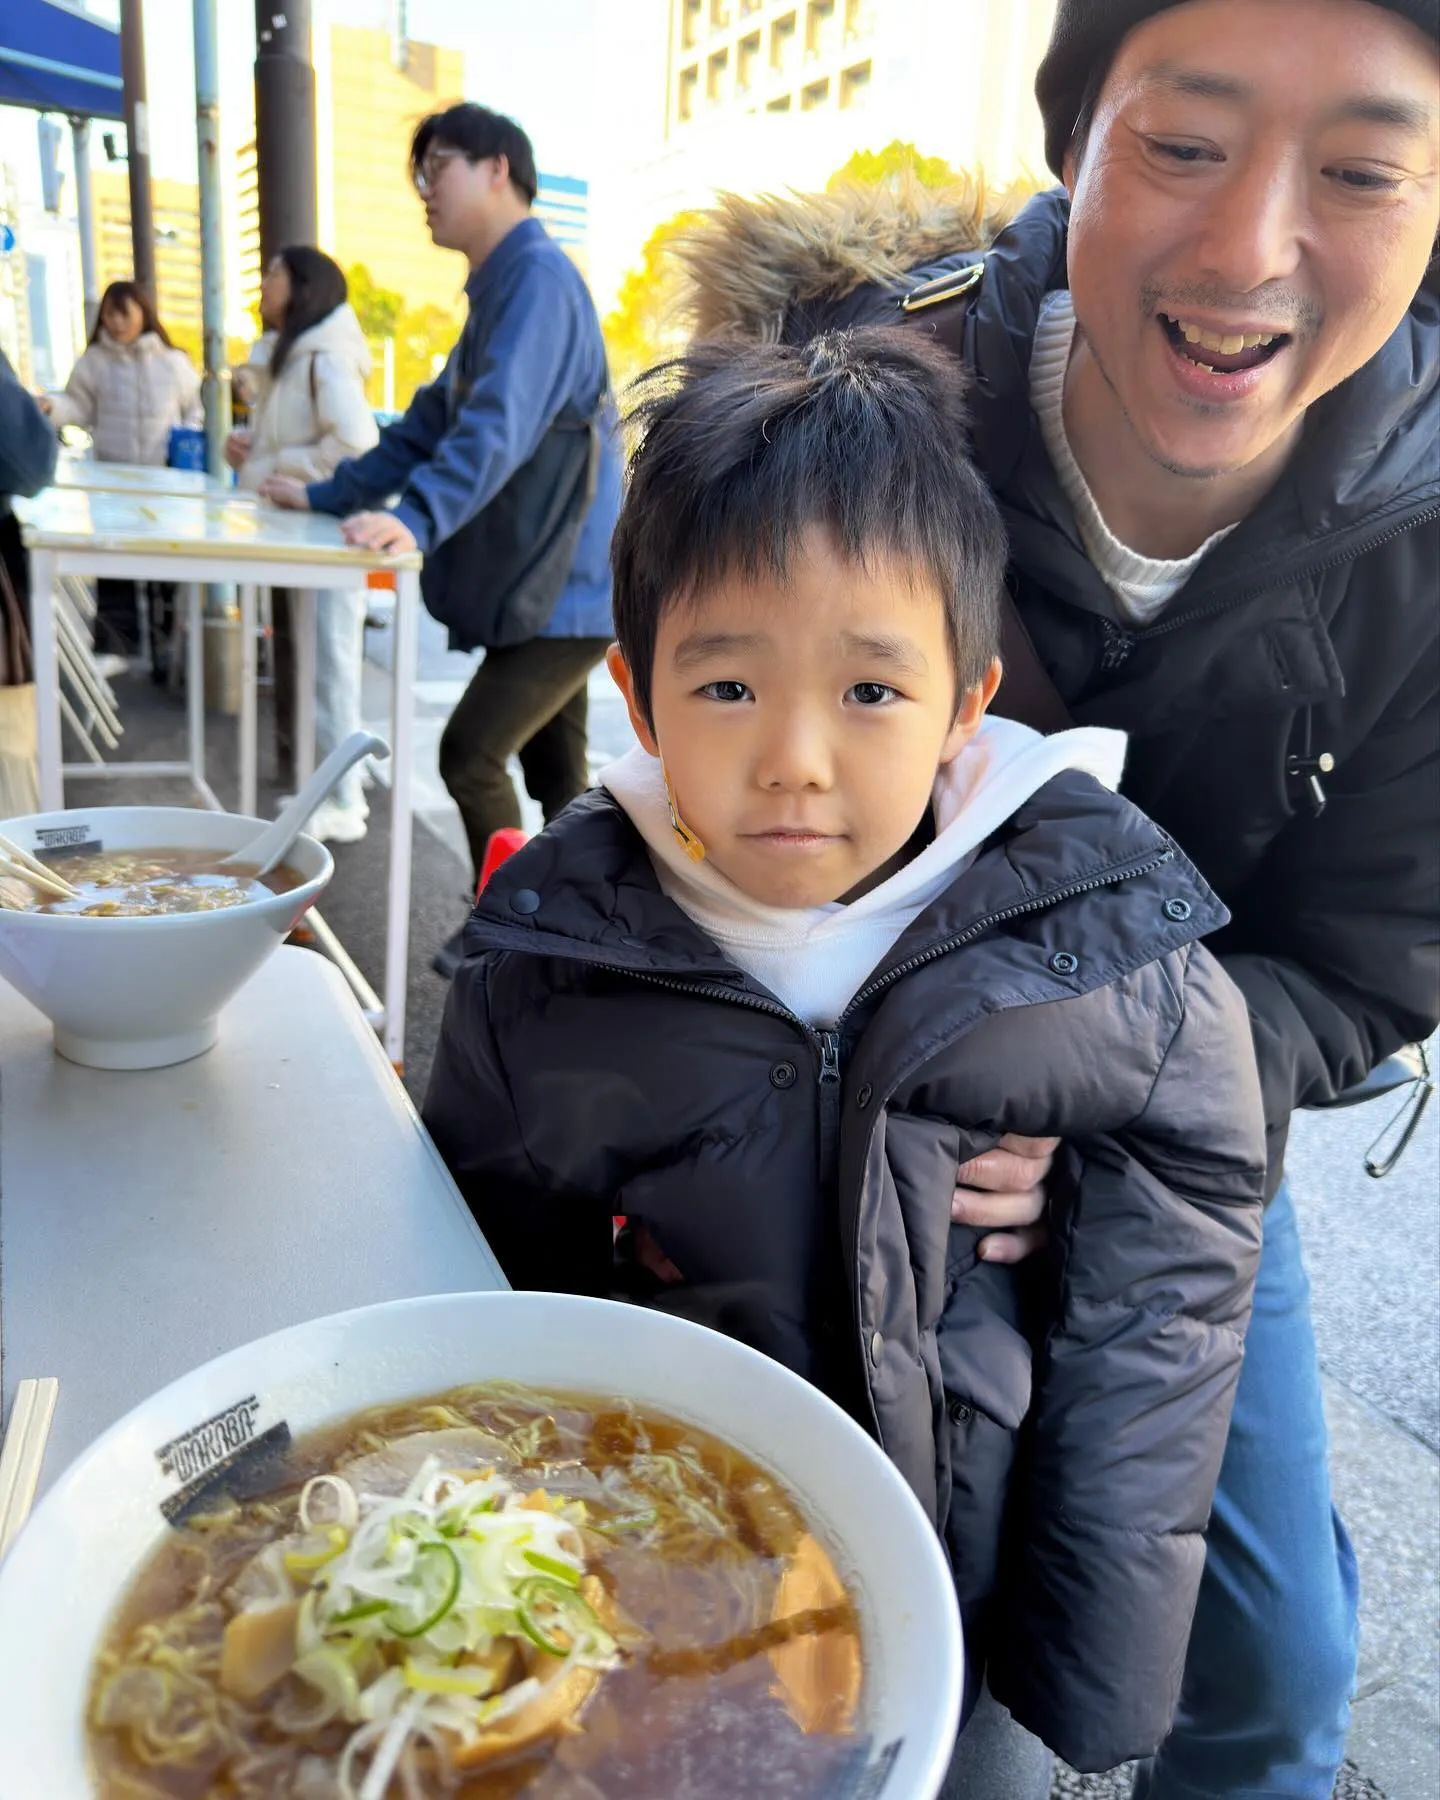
(526, 701)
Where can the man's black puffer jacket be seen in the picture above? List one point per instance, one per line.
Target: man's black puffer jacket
(600, 1055)
(1312, 632)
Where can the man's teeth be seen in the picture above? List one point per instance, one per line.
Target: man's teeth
(1225, 346)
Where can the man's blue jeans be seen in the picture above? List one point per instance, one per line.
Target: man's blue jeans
(1266, 1697)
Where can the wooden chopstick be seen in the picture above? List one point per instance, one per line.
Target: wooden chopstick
(46, 886)
(35, 872)
(23, 1451)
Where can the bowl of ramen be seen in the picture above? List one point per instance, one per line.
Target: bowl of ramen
(480, 1547)
(133, 973)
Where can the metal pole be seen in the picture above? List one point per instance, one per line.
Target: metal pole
(284, 126)
(137, 133)
(85, 217)
(215, 387)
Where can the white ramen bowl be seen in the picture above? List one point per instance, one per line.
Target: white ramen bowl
(141, 993)
(95, 1529)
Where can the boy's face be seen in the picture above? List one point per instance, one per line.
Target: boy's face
(802, 723)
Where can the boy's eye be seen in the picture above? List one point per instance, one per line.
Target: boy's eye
(872, 693)
(729, 693)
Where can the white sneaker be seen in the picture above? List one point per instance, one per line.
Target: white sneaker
(108, 666)
(336, 824)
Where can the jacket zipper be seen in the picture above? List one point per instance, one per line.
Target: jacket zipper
(827, 1042)
(1119, 642)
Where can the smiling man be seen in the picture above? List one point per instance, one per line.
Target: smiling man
(1208, 401)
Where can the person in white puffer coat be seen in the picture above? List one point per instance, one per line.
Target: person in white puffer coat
(131, 386)
(129, 389)
(305, 384)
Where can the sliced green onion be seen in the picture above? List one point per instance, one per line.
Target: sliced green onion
(552, 1566)
(451, 1591)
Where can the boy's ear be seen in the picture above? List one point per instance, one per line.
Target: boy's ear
(620, 674)
(973, 706)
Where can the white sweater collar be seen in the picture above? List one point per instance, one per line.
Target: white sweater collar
(815, 958)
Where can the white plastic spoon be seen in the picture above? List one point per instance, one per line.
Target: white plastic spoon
(262, 853)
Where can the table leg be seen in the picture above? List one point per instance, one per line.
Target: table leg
(195, 687)
(402, 735)
(249, 682)
(47, 678)
(304, 625)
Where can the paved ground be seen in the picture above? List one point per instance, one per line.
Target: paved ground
(1373, 1250)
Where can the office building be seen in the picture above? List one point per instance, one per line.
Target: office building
(955, 77)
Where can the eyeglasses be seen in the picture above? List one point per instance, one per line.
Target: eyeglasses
(431, 169)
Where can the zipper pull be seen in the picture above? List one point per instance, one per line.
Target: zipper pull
(829, 1056)
(1118, 645)
(1312, 768)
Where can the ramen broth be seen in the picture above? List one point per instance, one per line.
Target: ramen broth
(722, 1652)
(119, 884)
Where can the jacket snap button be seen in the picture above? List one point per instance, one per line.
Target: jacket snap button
(877, 1346)
(862, 1099)
(1064, 963)
(525, 900)
(783, 1075)
(960, 1413)
(1176, 909)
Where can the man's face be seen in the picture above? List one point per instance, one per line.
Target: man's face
(459, 195)
(1251, 216)
(801, 723)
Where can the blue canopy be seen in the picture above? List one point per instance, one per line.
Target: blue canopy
(56, 58)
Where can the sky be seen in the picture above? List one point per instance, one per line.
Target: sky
(537, 61)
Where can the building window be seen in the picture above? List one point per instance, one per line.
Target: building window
(747, 55)
(815, 95)
(719, 14)
(819, 17)
(780, 105)
(782, 41)
(854, 84)
(685, 95)
(751, 6)
(690, 22)
(716, 69)
(859, 21)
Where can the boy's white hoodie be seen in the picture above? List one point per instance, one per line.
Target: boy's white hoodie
(816, 958)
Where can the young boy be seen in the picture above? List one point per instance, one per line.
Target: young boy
(830, 932)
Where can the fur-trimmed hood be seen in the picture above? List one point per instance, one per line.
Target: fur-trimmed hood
(748, 262)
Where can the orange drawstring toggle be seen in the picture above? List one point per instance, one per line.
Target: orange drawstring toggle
(684, 836)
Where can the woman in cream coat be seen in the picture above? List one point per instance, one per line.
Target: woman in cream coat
(305, 383)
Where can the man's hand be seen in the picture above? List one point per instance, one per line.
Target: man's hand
(285, 491)
(237, 448)
(378, 531)
(1002, 1192)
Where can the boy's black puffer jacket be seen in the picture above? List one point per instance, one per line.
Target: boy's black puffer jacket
(600, 1055)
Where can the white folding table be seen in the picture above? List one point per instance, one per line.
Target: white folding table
(215, 537)
(151, 1220)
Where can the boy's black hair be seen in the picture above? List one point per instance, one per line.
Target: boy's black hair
(746, 445)
(479, 133)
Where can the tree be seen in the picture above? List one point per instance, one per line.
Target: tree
(423, 335)
(378, 309)
(642, 330)
(892, 165)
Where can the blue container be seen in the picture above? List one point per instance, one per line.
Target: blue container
(187, 448)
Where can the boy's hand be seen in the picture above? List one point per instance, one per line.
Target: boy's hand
(1002, 1192)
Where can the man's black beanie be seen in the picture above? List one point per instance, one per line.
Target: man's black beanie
(1087, 34)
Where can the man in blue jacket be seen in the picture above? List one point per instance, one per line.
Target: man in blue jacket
(531, 355)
